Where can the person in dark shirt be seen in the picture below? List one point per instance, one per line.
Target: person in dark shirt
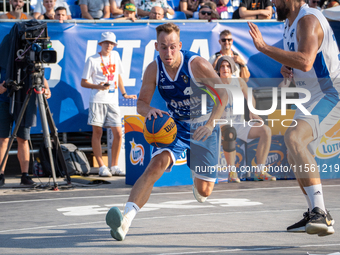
(255, 9)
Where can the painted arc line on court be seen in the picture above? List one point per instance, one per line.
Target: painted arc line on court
(155, 194)
(156, 217)
(87, 210)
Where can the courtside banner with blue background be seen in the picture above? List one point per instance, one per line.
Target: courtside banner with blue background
(74, 43)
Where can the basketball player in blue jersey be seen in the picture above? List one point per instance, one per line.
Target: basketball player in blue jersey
(311, 59)
(179, 76)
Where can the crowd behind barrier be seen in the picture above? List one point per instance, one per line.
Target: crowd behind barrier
(225, 9)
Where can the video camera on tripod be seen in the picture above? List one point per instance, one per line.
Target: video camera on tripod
(30, 48)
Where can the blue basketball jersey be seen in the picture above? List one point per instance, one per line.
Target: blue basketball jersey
(183, 95)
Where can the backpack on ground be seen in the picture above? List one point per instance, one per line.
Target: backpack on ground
(76, 160)
(45, 161)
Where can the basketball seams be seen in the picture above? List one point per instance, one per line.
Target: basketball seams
(164, 136)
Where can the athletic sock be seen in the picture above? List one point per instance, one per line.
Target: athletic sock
(130, 211)
(309, 203)
(260, 168)
(102, 168)
(114, 168)
(315, 196)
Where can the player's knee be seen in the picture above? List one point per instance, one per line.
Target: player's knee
(266, 131)
(97, 132)
(205, 190)
(228, 138)
(292, 140)
(158, 165)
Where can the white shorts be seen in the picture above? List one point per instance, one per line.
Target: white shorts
(325, 114)
(243, 132)
(104, 115)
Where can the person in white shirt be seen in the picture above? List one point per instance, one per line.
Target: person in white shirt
(102, 74)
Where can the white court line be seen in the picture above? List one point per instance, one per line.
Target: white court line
(153, 218)
(254, 249)
(154, 194)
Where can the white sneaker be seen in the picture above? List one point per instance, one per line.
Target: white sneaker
(198, 196)
(118, 223)
(104, 172)
(115, 170)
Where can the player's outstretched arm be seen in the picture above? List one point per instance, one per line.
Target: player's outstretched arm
(309, 33)
(146, 93)
(204, 73)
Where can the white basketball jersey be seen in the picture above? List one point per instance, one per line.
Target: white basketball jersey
(228, 110)
(324, 77)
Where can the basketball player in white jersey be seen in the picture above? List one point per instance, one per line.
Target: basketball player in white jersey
(310, 58)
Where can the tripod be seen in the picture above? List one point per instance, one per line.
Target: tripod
(36, 78)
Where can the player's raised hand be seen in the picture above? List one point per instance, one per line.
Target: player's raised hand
(256, 36)
(202, 133)
(155, 112)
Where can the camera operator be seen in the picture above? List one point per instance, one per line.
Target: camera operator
(16, 13)
(23, 135)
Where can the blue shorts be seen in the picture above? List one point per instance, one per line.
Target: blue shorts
(202, 157)
(6, 120)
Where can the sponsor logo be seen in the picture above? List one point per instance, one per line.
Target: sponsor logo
(182, 159)
(137, 153)
(185, 78)
(170, 126)
(329, 145)
(167, 86)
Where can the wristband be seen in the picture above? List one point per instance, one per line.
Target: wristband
(242, 65)
(123, 94)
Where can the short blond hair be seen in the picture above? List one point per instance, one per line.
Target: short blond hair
(167, 28)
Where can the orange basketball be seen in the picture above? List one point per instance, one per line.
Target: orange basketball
(160, 132)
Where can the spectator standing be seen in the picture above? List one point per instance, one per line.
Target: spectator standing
(145, 6)
(102, 74)
(314, 4)
(95, 9)
(255, 9)
(205, 13)
(117, 7)
(49, 6)
(156, 13)
(225, 9)
(16, 13)
(129, 12)
(40, 9)
(189, 7)
(60, 14)
(226, 41)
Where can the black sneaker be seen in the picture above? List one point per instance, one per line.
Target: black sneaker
(320, 223)
(301, 225)
(26, 180)
(2, 180)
